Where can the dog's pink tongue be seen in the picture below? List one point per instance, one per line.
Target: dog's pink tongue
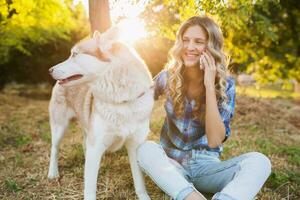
(63, 81)
(71, 78)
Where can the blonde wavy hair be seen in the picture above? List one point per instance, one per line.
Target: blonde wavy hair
(175, 66)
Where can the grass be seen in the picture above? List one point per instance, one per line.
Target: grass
(266, 92)
(11, 186)
(266, 120)
(293, 154)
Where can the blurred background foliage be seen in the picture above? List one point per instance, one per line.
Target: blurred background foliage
(261, 36)
(34, 35)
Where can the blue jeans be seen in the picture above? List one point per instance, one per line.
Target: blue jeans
(239, 178)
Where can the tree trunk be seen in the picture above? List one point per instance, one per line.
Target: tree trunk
(99, 15)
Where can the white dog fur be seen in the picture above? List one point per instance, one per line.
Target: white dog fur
(107, 86)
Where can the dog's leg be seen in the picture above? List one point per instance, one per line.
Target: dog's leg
(96, 144)
(59, 120)
(84, 143)
(138, 179)
(92, 163)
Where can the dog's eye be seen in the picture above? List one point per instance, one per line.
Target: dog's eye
(74, 54)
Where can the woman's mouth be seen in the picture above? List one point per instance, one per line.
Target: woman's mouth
(191, 56)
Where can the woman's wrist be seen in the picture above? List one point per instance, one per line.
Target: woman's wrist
(209, 88)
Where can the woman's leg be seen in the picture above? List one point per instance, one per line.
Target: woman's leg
(239, 178)
(169, 175)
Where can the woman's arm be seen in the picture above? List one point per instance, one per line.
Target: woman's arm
(214, 126)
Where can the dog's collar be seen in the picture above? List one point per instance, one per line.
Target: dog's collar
(142, 94)
(128, 101)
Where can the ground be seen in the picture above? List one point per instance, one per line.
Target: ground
(264, 121)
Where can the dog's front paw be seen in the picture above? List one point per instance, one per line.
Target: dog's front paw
(143, 196)
(90, 196)
(52, 174)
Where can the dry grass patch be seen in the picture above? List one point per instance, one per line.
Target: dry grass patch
(270, 126)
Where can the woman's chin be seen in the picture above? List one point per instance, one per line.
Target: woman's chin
(191, 64)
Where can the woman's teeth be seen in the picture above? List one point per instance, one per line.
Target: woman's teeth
(191, 55)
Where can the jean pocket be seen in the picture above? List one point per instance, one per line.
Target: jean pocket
(212, 154)
(204, 156)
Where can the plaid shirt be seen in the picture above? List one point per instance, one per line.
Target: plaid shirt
(180, 135)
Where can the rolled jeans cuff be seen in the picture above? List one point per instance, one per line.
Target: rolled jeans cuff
(222, 196)
(184, 193)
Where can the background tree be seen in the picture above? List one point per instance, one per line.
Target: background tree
(99, 15)
(35, 35)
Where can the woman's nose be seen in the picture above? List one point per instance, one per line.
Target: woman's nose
(190, 46)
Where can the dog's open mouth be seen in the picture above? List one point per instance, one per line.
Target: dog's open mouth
(70, 78)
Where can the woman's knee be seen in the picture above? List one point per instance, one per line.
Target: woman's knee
(146, 152)
(260, 162)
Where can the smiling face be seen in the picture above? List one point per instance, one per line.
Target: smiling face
(194, 43)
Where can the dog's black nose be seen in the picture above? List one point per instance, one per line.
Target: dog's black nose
(51, 70)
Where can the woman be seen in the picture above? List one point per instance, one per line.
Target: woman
(199, 106)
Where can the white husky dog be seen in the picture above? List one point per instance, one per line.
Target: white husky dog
(107, 86)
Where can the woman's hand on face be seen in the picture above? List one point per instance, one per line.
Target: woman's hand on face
(207, 63)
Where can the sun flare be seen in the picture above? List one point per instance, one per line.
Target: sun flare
(132, 29)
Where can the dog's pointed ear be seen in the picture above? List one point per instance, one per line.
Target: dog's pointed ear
(96, 34)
